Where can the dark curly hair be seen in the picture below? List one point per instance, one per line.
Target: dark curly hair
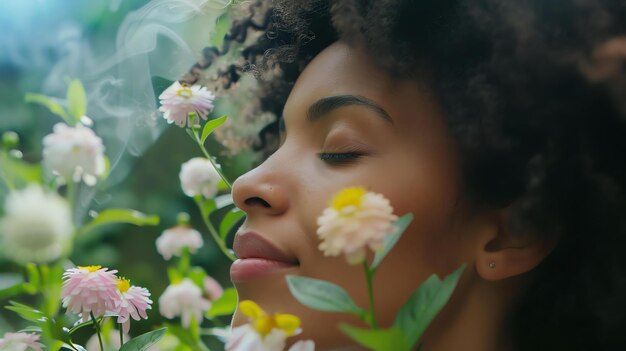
(535, 93)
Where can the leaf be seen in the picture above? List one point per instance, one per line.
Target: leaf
(390, 240)
(232, 218)
(27, 312)
(142, 342)
(377, 340)
(225, 305)
(51, 103)
(19, 173)
(322, 295)
(76, 100)
(119, 215)
(221, 29)
(210, 126)
(11, 284)
(197, 274)
(424, 304)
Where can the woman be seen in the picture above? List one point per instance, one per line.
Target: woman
(500, 125)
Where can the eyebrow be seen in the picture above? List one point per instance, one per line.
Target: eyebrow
(323, 106)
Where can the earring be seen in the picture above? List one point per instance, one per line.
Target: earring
(492, 264)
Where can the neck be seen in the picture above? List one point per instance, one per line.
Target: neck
(476, 318)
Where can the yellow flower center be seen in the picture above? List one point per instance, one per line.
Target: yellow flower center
(348, 197)
(185, 93)
(90, 269)
(264, 323)
(123, 284)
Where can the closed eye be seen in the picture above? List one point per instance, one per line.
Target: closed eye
(340, 158)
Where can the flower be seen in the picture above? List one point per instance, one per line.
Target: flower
(178, 100)
(74, 153)
(90, 289)
(265, 332)
(183, 299)
(20, 342)
(356, 219)
(172, 241)
(199, 177)
(37, 226)
(133, 302)
(212, 288)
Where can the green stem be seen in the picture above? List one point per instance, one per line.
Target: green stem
(208, 156)
(97, 326)
(369, 275)
(121, 334)
(184, 262)
(216, 237)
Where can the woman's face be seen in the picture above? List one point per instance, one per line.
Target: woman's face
(390, 138)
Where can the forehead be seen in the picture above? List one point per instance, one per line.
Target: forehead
(344, 70)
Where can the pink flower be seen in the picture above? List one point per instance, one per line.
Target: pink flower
(172, 241)
(212, 288)
(133, 302)
(183, 299)
(178, 101)
(20, 342)
(90, 289)
(355, 221)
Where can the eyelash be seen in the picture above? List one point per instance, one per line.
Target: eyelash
(341, 158)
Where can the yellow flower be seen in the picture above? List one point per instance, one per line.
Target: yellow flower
(264, 323)
(348, 197)
(265, 332)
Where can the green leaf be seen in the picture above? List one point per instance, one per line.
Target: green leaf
(377, 340)
(210, 126)
(27, 312)
(206, 206)
(11, 284)
(390, 240)
(142, 342)
(174, 275)
(232, 218)
(76, 100)
(424, 304)
(225, 305)
(221, 29)
(19, 173)
(322, 295)
(51, 103)
(119, 215)
(197, 274)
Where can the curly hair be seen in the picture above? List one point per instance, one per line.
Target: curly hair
(534, 92)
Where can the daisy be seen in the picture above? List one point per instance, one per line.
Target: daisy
(179, 100)
(356, 220)
(90, 289)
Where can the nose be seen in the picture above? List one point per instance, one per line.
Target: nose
(262, 190)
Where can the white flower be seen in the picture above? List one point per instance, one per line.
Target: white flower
(74, 153)
(37, 226)
(133, 301)
(356, 219)
(172, 241)
(178, 101)
(20, 342)
(89, 289)
(199, 177)
(265, 332)
(183, 299)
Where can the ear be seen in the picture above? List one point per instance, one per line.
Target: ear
(502, 253)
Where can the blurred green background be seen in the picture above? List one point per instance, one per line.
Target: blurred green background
(42, 44)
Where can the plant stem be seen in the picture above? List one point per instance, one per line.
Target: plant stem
(97, 326)
(216, 237)
(369, 275)
(184, 262)
(208, 156)
(121, 335)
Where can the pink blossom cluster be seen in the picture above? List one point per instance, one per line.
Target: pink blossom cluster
(94, 290)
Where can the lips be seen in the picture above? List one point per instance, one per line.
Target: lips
(258, 257)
